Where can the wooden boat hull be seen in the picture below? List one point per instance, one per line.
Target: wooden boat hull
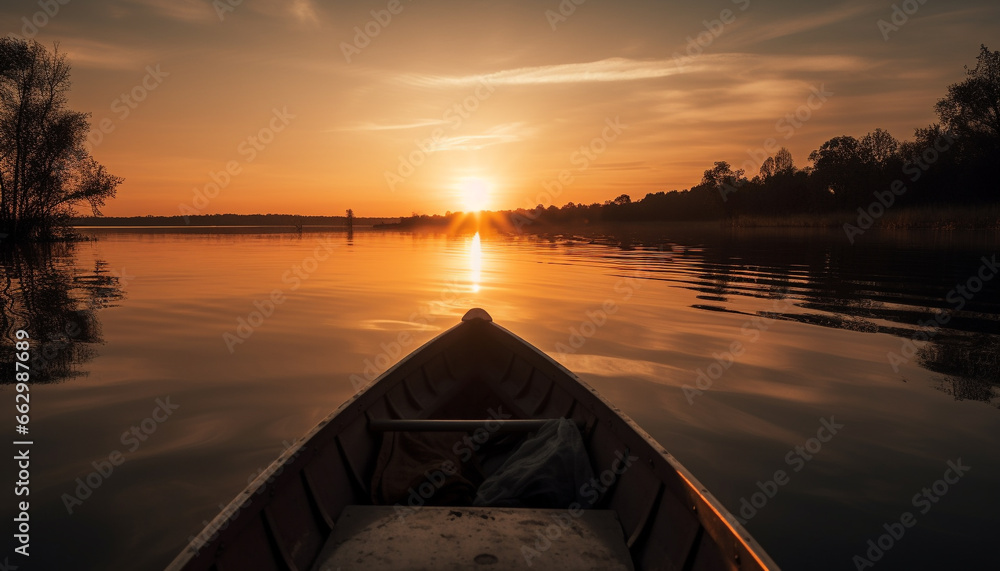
(283, 519)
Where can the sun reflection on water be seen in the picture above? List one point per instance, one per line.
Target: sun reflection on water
(475, 262)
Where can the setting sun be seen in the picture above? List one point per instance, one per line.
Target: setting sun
(474, 193)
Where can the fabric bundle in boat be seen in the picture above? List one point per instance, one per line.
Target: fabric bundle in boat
(549, 470)
(422, 468)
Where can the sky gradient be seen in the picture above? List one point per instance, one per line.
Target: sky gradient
(287, 108)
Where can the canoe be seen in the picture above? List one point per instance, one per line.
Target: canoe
(313, 508)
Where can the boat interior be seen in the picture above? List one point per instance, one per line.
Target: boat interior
(390, 479)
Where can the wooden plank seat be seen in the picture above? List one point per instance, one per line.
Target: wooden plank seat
(462, 538)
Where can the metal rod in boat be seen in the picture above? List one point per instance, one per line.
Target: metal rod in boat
(449, 425)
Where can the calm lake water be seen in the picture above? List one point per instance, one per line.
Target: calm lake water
(132, 326)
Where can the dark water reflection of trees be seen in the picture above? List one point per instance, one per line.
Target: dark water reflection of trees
(894, 284)
(44, 292)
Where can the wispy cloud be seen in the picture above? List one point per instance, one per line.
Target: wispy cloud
(963, 14)
(180, 10)
(96, 54)
(782, 64)
(304, 11)
(301, 11)
(416, 123)
(622, 166)
(622, 69)
(497, 135)
(606, 70)
(799, 24)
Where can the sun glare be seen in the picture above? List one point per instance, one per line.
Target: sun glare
(475, 193)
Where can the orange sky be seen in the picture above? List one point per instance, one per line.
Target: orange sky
(494, 97)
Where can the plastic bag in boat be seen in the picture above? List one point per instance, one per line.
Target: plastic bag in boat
(547, 471)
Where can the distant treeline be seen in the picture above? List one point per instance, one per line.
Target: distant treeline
(947, 164)
(228, 220)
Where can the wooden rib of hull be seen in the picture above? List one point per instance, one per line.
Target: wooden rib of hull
(283, 518)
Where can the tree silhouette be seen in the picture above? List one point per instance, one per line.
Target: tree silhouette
(972, 106)
(623, 199)
(837, 165)
(878, 148)
(44, 167)
(767, 168)
(783, 162)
